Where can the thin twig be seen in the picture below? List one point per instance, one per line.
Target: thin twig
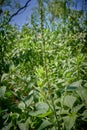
(17, 12)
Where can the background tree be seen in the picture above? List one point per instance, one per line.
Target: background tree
(8, 11)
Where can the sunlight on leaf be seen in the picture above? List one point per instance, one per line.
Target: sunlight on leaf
(69, 101)
(45, 124)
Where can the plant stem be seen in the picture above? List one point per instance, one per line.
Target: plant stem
(45, 61)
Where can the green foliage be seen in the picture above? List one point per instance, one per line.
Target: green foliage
(44, 85)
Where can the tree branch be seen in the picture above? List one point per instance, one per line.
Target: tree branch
(17, 12)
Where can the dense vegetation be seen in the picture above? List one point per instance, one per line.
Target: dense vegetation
(43, 72)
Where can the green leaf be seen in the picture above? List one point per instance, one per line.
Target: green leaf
(40, 113)
(36, 113)
(2, 91)
(45, 114)
(42, 106)
(77, 108)
(75, 84)
(69, 121)
(4, 76)
(69, 101)
(8, 94)
(71, 88)
(42, 110)
(28, 97)
(7, 127)
(21, 106)
(24, 126)
(85, 85)
(82, 92)
(29, 101)
(44, 125)
(84, 114)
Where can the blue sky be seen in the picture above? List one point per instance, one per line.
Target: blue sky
(24, 16)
